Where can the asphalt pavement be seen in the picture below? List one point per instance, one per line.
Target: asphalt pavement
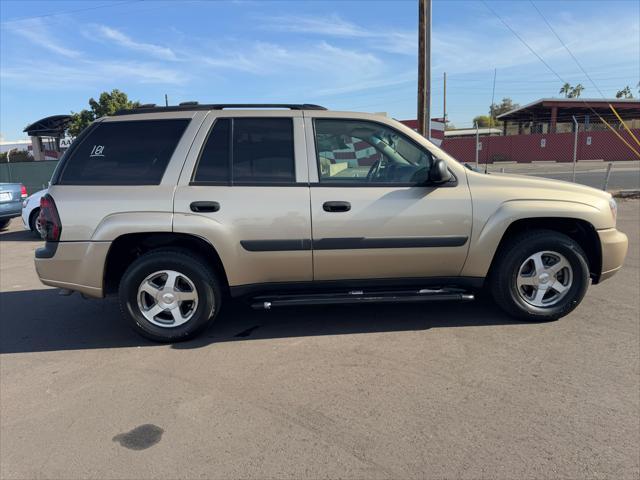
(396, 391)
(624, 175)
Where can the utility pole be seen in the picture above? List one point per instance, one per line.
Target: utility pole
(424, 67)
(166, 100)
(444, 100)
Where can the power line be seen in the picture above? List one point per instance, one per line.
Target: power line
(21, 19)
(566, 48)
(523, 41)
(586, 74)
(563, 81)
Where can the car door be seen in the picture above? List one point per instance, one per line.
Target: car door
(373, 214)
(244, 188)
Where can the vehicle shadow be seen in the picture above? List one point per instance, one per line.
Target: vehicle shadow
(12, 235)
(42, 320)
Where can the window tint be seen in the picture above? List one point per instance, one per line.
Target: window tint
(124, 153)
(213, 165)
(263, 150)
(367, 152)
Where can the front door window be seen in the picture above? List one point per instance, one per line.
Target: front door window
(363, 152)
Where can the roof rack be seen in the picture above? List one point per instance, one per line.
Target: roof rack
(189, 106)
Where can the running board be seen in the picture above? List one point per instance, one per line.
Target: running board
(358, 296)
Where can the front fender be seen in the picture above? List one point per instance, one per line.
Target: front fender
(487, 234)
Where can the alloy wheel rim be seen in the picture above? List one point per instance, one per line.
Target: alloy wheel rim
(167, 298)
(544, 279)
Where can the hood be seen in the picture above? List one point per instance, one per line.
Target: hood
(545, 186)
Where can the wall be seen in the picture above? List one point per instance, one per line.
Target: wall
(33, 175)
(605, 145)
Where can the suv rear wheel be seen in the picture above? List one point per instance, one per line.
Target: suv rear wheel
(540, 276)
(169, 295)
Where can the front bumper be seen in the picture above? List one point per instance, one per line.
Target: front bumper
(25, 219)
(613, 245)
(78, 266)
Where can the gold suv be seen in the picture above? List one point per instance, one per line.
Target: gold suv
(172, 208)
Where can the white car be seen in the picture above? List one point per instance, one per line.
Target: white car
(31, 212)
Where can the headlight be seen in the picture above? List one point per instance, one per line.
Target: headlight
(614, 209)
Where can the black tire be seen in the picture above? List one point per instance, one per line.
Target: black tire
(204, 279)
(33, 216)
(4, 223)
(502, 280)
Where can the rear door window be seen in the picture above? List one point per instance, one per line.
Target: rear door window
(263, 150)
(213, 165)
(124, 153)
(258, 151)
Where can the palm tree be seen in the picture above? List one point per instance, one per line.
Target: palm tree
(624, 93)
(566, 90)
(576, 91)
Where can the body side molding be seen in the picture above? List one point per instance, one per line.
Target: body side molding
(352, 243)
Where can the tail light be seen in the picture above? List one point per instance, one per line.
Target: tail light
(23, 191)
(50, 225)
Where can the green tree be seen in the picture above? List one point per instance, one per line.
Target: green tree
(107, 104)
(566, 90)
(504, 106)
(496, 109)
(570, 91)
(624, 93)
(484, 121)
(576, 91)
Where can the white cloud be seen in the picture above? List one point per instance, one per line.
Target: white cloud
(382, 81)
(270, 59)
(459, 50)
(90, 73)
(378, 38)
(36, 32)
(123, 40)
(331, 25)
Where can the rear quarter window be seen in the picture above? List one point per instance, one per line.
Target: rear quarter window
(123, 153)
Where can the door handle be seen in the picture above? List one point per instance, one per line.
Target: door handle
(204, 206)
(336, 206)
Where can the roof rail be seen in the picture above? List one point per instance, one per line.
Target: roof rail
(189, 106)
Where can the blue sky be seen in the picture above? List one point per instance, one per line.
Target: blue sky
(351, 55)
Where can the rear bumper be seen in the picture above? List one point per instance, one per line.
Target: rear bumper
(78, 266)
(613, 244)
(10, 210)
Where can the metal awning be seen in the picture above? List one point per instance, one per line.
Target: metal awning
(566, 107)
(53, 126)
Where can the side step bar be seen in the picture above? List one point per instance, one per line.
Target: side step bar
(358, 296)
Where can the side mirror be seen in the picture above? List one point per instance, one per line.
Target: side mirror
(439, 173)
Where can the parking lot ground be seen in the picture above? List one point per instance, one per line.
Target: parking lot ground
(405, 391)
(625, 175)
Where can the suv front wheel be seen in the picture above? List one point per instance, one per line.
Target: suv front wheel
(540, 276)
(169, 295)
